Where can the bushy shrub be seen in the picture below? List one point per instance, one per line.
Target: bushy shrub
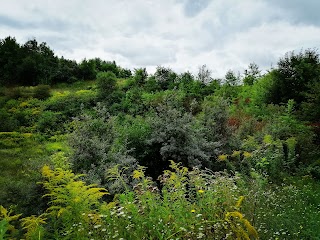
(106, 85)
(41, 92)
(175, 134)
(48, 122)
(71, 104)
(96, 146)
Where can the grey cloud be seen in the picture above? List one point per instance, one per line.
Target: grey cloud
(144, 55)
(194, 7)
(297, 11)
(45, 23)
(13, 23)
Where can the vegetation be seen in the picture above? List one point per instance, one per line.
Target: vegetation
(91, 150)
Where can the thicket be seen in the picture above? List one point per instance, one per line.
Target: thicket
(104, 139)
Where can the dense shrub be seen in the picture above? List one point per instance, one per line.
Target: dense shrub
(42, 92)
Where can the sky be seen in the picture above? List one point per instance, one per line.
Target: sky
(180, 34)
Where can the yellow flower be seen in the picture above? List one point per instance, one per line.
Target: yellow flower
(200, 191)
(193, 211)
(137, 174)
(222, 157)
(246, 154)
(236, 153)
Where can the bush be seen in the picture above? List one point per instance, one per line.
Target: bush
(106, 84)
(41, 92)
(70, 104)
(48, 122)
(176, 135)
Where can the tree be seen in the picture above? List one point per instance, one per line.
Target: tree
(106, 83)
(87, 70)
(231, 79)
(295, 76)
(204, 74)
(66, 71)
(38, 65)
(251, 74)
(165, 77)
(10, 59)
(176, 136)
(124, 72)
(140, 76)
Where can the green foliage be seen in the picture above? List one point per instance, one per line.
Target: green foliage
(106, 84)
(42, 92)
(251, 74)
(87, 70)
(8, 122)
(34, 226)
(6, 220)
(175, 135)
(165, 77)
(309, 108)
(190, 204)
(119, 121)
(214, 117)
(132, 103)
(140, 76)
(271, 157)
(97, 146)
(69, 104)
(19, 154)
(91, 141)
(295, 75)
(288, 211)
(48, 122)
(70, 199)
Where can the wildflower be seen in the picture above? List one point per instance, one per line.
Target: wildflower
(246, 154)
(193, 211)
(138, 174)
(222, 157)
(236, 153)
(200, 191)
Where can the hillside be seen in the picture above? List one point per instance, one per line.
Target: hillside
(92, 150)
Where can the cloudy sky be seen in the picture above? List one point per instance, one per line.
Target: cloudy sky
(181, 34)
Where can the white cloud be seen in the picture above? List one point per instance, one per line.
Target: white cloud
(182, 34)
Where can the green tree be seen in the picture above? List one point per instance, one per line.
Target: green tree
(251, 74)
(295, 76)
(106, 83)
(87, 70)
(67, 71)
(10, 59)
(204, 74)
(175, 135)
(140, 76)
(165, 77)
